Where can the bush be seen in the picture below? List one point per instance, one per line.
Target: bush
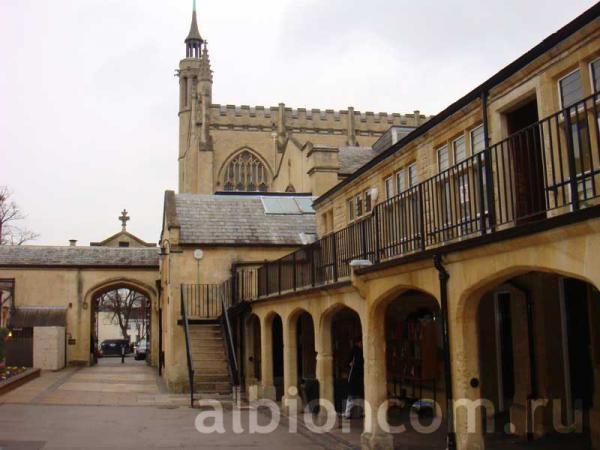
(3, 335)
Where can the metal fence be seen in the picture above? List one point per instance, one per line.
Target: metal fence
(203, 301)
(548, 168)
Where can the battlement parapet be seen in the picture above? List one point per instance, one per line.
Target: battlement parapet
(318, 119)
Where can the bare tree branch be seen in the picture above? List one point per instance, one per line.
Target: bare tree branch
(10, 234)
(125, 305)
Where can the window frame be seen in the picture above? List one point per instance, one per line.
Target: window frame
(558, 86)
(466, 155)
(367, 201)
(358, 202)
(388, 187)
(400, 174)
(591, 70)
(439, 161)
(471, 131)
(410, 167)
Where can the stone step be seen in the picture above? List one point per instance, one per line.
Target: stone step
(206, 337)
(210, 352)
(221, 387)
(212, 396)
(199, 366)
(211, 378)
(204, 345)
(207, 362)
(205, 329)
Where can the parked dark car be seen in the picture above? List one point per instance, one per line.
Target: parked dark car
(112, 347)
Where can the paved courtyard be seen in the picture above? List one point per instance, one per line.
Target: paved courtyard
(124, 406)
(114, 405)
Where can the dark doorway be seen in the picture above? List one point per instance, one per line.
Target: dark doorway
(305, 337)
(527, 161)
(345, 331)
(277, 329)
(19, 348)
(578, 334)
(506, 348)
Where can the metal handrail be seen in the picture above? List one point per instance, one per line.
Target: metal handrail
(188, 348)
(226, 324)
(471, 198)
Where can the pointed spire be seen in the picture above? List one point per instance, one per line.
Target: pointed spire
(194, 34)
(205, 71)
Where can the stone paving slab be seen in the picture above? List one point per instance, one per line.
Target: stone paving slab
(89, 427)
(29, 391)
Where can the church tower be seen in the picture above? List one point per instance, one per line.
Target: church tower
(195, 98)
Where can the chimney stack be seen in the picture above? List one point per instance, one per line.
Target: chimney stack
(73, 242)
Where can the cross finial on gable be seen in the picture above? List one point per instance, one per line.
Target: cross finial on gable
(124, 218)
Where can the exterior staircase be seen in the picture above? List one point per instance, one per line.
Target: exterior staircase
(211, 365)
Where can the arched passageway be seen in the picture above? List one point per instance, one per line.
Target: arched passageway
(253, 349)
(120, 323)
(306, 362)
(538, 337)
(414, 364)
(348, 366)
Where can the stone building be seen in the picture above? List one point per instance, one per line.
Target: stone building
(460, 249)
(268, 149)
(462, 256)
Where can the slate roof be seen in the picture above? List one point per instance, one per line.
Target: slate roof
(351, 158)
(37, 255)
(237, 219)
(38, 316)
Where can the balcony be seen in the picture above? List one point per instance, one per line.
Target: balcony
(543, 175)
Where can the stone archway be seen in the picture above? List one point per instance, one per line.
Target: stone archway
(339, 331)
(252, 354)
(137, 318)
(300, 357)
(529, 333)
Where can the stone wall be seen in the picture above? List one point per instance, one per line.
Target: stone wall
(49, 348)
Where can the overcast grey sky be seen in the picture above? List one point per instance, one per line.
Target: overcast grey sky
(88, 100)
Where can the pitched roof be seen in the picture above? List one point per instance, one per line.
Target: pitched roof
(236, 219)
(34, 255)
(38, 316)
(120, 234)
(351, 158)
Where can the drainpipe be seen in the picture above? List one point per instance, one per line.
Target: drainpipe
(489, 189)
(444, 276)
(533, 388)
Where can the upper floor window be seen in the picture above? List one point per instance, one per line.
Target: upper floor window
(246, 173)
(389, 187)
(359, 205)
(327, 218)
(595, 69)
(443, 161)
(460, 150)
(368, 201)
(571, 89)
(412, 175)
(477, 140)
(400, 181)
(350, 204)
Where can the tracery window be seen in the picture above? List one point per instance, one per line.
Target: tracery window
(246, 173)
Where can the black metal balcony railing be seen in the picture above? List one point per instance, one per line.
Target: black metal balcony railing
(548, 168)
(203, 301)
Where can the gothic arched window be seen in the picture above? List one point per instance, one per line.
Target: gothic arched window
(246, 173)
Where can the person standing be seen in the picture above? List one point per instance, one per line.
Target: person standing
(355, 377)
